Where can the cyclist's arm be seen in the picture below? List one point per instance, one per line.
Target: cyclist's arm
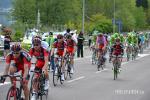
(46, 60)
(75, 47)
(26, 70)
(105, 42)
(8, 60)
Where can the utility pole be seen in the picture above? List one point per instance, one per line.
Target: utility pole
(83, 14)
(114, 19)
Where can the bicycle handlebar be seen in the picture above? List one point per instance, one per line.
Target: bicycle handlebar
(12, 76)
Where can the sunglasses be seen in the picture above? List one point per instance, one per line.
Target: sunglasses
(16, 53)
(59, 38)
(35, 44)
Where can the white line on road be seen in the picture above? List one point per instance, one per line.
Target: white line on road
(1, 84)
(79, 78)
(101, 71)
(141, 56)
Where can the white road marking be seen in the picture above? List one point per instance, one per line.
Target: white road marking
(76, 79)
(140, 56)
(5, 83)
(101, 71)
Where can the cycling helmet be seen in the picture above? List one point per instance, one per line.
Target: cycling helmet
(59, 36)
(117, 39)
(116, 35)
(37, 39)
(100, 34)
(16, 47)
(68, 36)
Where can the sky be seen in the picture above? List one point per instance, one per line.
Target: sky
(4, 4)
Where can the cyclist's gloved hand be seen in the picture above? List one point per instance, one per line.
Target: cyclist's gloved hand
(2, 79)
(25, 81)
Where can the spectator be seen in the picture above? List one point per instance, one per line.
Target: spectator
(90, 40)
(7, 40)
(80, 45)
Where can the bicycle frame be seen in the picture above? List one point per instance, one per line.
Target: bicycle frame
(100, 59)
(40, 83)
(18, 91)
(58, 66)
(116, 64)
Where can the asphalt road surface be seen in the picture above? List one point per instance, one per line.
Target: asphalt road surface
(89, 84)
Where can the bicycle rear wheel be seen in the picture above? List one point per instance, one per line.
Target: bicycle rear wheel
(66, 70)
(55, 76)
(59, 75)
(13, 94)
(31, 91)
(115, 72)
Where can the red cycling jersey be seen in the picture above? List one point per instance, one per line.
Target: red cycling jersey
(40, 56)
(70, 46)
(60, 47)
(18, 62)
(118, 49)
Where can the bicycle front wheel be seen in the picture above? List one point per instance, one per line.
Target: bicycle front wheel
(13, 93)
(55, 76)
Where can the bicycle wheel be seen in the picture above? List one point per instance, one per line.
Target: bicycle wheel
(55, 76)
(46, 95)
(66, 70)
(93, 58)
(115, 69)
(69, 70)
(59, 75)
(13, 93)
(115, 72)
(31, 91)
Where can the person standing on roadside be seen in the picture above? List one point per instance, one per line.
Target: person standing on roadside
(80, 44)
(7, 40)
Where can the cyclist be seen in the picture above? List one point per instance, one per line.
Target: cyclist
(50, 40)
(18, 60)
(41, 55)
(135, 44)
(71, 49)
(146, 39)
(129, 43)
(117, 48)
(111, 43)
(142, 38)
(60, 47)
(101, 45)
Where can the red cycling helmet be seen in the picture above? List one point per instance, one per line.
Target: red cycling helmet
(117, 40)
(59, 36)
(16, 47)
(37, 39)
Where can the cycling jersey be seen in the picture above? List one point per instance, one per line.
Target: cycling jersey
(70, 46)
(60, 47)
(39, 56)
(117, 49)
(20, 61)
(101, 42)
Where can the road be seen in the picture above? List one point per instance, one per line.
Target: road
(89, 84)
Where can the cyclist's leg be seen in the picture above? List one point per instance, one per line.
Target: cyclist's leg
(26, 90)
(72, 63)
(35, 80)
(13, 69)
(52, 62)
